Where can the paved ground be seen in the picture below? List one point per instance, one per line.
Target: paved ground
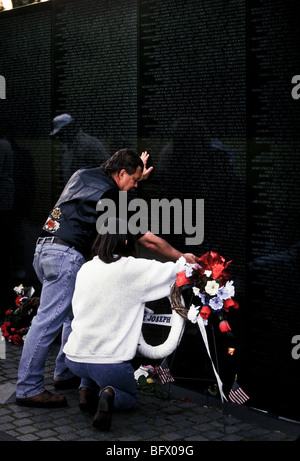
(154, 419)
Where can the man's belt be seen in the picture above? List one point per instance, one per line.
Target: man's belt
(42, 240)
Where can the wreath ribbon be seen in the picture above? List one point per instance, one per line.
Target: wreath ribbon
(204, 337)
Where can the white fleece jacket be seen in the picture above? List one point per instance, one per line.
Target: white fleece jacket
(108, 306)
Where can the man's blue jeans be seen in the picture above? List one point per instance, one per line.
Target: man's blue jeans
(119, 376)
(56, 267)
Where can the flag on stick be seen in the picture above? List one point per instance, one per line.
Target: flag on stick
(163, 373)
(237, 394)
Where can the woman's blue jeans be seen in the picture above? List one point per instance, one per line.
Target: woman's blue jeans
(56, 267)
(119, 376)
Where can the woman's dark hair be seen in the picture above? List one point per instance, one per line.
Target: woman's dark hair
(123, 159)
(110, 244)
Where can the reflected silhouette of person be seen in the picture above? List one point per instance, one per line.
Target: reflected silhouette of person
(194, 165)
(79, 149)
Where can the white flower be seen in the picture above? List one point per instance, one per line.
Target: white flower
(212, 287)
(192, 313)
(196, 291)
(207, 273)
(19, 290)
(227, 291)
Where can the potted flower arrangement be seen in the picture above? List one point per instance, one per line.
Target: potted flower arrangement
(17, 321)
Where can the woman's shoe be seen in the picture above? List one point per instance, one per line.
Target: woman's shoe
(88, 400)
(103, 417)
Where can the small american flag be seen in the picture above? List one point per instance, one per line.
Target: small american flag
(237, 394)
(163, 373)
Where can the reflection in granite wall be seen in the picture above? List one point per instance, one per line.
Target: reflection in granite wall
(205, 87)
(192, 119)
(272, 207)
(94, 80)
(25, 122)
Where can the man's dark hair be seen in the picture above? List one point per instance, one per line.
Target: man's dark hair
(123, 159)
(111, 246)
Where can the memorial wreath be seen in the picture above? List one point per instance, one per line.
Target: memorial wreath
(213, 293)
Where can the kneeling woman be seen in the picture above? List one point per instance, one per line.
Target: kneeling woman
(108, 305)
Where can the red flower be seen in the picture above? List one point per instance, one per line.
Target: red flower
(5, 325)
(230, 303)
(224, 326)
(5, 333)
(214, 262)
(227, 304)
(8, 312)
(18, 300)
(181, 279)
(17, 340)
(205, 312)
(224, 277)
(235, 305)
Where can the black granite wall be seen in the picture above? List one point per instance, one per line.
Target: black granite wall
(206, 88)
